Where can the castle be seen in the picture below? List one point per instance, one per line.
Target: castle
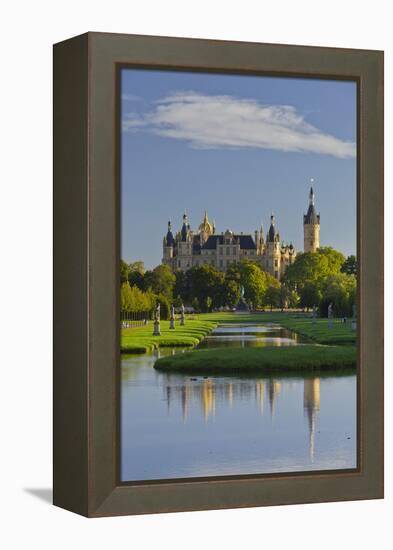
(190, 248)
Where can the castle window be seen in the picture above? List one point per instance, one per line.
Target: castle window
(228, 251)
(275, 263)
(276, 274)
(234, 250)
(221, 263)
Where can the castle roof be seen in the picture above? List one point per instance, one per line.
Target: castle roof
(311, 216)
(185, 227)
(246, 242)
(170, 241)
(271, 234)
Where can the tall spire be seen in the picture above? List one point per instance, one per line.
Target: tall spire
(184, 228)
(169, 236)
(272, 231)
(311, 195)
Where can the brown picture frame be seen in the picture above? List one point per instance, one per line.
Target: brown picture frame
(86, 274)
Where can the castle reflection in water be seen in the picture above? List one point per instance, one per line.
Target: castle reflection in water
(207, 392)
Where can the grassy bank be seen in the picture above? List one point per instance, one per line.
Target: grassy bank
(263, 360)
(141, 339)
(320, 332)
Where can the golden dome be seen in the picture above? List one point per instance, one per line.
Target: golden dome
(206, 227)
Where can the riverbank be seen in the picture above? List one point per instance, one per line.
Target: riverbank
(310, 358)
(141, 339)
(302, 323)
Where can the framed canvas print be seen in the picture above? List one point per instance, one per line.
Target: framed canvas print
(218, 274)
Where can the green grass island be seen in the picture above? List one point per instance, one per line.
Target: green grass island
(336, 349)
(316, 358)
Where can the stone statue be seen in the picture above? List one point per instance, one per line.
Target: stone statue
(354, 320)
(182, 317)
(172, 319)
(330, 315)
(157, 328)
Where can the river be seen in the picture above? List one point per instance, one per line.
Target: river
(179, 426)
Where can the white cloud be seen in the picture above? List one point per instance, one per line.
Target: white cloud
(218, 122)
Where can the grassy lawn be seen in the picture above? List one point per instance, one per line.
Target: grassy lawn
(320, 332)
(264, 360)
(141, 339)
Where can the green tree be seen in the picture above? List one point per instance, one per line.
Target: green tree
(251, 278)
(310, 294)
(231, 292)
(161, 281)
(313, 267)
(137, 266)
(272, 296)
(340, 290)
(334, 258)
(350, 266)
(182, 287)
(288, 298)
(206, 284)
(293, 299)
(124, 271)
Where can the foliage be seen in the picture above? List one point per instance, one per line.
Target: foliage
(350, 266)
(133, 273)
(205, 284)
(310, 294)
(321, 278)
(124, 271)
(340, 290)
(255, 282)
(133, 299)
(161, 281)
(138, 267)
(272, 297)
(313, 266)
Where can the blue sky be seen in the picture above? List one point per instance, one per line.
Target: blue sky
(241, 147)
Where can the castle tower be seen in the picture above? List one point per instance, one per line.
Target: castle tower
(273, 250)
(311, 226)
(184, 245)
(168, 245)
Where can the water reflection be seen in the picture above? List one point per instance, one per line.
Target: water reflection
(204, 394)
(252, 336)
(312, 405)
(178, 425)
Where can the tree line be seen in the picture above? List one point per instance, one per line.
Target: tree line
(315, 278)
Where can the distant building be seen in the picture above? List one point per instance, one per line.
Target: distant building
(311, 226)
(188, 248)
